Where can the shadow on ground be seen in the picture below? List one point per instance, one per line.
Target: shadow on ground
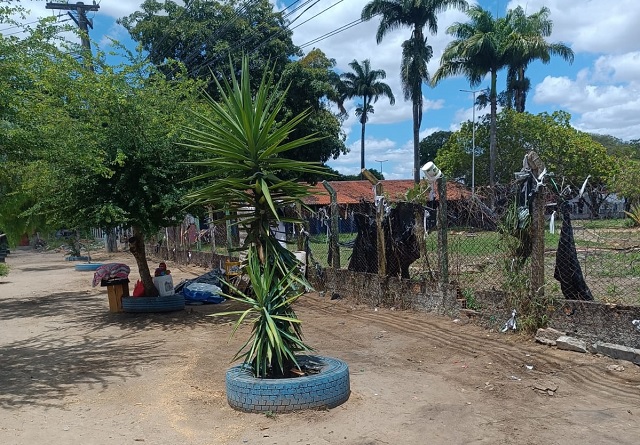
(104, 346)
(43, 370)
(89, 310)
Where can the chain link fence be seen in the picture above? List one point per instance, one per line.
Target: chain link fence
(485, 254)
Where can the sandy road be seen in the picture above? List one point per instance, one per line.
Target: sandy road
(72, 373)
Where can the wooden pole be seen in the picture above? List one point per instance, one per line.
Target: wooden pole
(537, 231)
(443, 257)
(381, 250)
(334, 247)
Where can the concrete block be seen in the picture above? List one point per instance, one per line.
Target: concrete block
(619, 352)
(571, 344)
(548, 336)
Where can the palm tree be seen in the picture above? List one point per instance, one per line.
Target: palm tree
(526, 43)
(364, 82)
(415, 14)
(477, 50)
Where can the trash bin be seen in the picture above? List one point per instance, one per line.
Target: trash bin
(164, 284)
(116, 289)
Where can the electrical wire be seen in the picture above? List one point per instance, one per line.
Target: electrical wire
(264, 42)
(332, 33)
(24, 30)
(313, 17)
(20, 25)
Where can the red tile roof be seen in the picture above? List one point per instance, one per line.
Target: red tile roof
(353, 192)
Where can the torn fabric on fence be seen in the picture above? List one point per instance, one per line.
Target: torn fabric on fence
(568, 271)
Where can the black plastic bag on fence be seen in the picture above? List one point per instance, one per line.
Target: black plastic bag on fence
(568, 271)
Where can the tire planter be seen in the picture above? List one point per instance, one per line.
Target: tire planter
(168, 303)
(327, 389)
(87, 266)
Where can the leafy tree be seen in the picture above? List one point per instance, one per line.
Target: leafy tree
(430, 145)
(140, 114)
(335, 175)
(477, 50)
(626, 179)
(617, 147)
(91, 149)
(365, 82)
(571, 155)
(416, 52)
(203, 34)
(525, 44)
(312, 85)
(34, 131)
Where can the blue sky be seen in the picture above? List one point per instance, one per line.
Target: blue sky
(601, 89)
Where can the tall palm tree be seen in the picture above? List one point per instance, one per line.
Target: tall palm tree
(364, 82)
(477, 50)
(526, 43)
(415, 14)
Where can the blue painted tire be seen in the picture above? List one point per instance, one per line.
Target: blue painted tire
(327, 389)
(153, 304)
(87, 266)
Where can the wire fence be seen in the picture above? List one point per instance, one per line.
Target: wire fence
(482, 255)
(486, 253)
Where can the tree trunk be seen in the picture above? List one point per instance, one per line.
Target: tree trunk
(416, 141)
(520, 92)
(136, 247)
(112, 241)
(362, 147)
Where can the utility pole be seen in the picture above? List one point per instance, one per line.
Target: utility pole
(82, 21)
(473, 143)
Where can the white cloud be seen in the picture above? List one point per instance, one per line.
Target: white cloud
(618, 68)
(595, 26)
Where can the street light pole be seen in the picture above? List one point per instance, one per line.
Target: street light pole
(384, 160)
(473, 142)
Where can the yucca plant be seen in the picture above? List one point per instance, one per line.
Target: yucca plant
(243, 144)
(276, 335)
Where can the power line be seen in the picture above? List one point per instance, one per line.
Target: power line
(189, 57)
(332, 33)
(294, 9)
(266, 41)
(240, 43)
(24, 30)
(20, 25)
(321, 12)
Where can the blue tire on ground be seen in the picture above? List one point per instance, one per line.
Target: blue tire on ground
(87, 266)
(153, 304)
(327, 389)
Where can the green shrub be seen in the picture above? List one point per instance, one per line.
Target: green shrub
(634, 215)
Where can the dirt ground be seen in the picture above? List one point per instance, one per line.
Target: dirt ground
(73, 373)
